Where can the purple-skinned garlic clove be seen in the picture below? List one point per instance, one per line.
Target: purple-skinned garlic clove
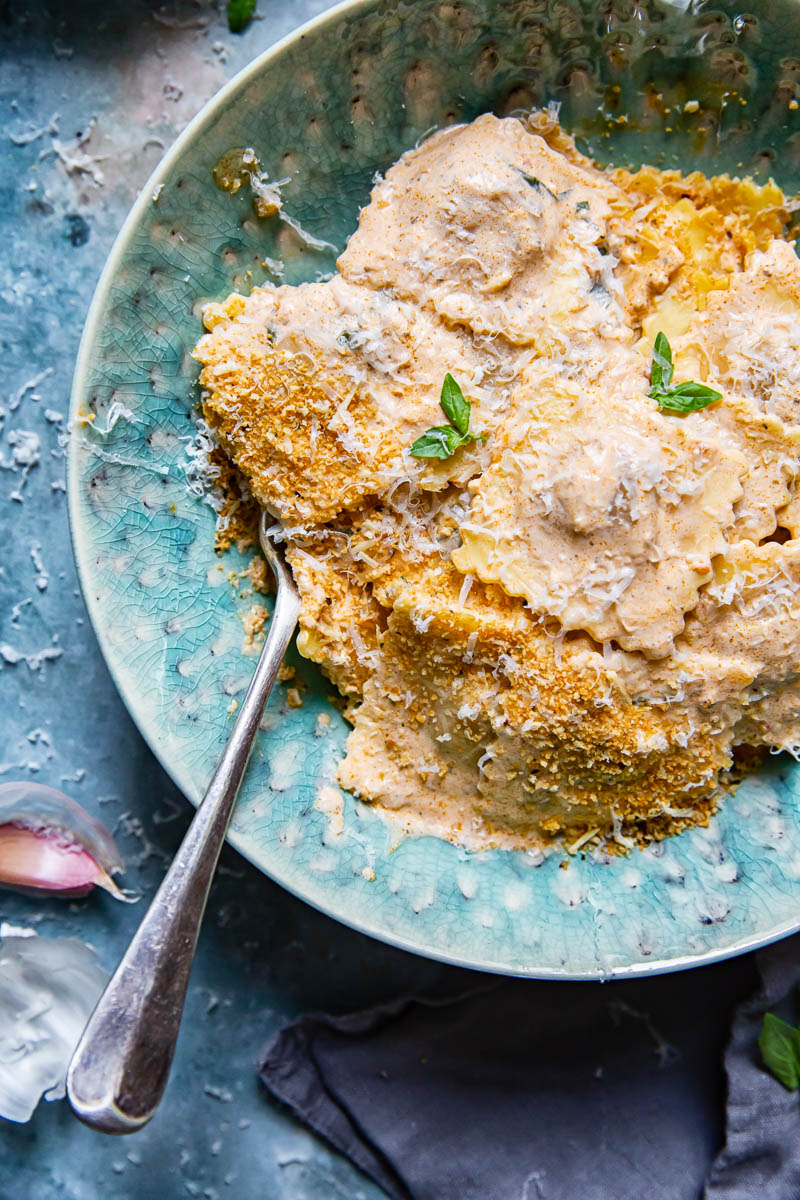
(50, 846)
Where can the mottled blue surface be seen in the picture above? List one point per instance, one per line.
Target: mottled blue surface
(141, 71)
(263, 955)
(326, 112)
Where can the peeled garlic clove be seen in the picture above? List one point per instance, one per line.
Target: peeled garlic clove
(32, 862)
(50, 846)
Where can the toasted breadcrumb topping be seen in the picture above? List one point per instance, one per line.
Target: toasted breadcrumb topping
(586, 627)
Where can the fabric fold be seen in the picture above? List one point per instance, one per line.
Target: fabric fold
(761, 1156)
(515, 1089)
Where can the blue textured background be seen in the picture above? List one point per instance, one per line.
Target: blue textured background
(328, 110)
(139, 74)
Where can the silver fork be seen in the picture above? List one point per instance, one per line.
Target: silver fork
(120, 1068)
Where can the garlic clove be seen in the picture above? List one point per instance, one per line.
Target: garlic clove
(50, 846)
(32, 862)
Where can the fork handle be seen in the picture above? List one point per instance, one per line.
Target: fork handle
(120, 1068)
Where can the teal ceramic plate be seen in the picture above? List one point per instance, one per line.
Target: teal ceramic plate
(327, 108)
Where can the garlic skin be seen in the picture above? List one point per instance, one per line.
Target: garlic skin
(48, 989)
(50, 846)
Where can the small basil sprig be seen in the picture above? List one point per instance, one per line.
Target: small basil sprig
(780, 1049)
(441, 441)
(685, 397)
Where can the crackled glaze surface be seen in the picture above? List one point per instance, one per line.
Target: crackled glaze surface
(328, 110)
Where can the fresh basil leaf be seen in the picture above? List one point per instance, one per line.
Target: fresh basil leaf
(439, 442)
(682, 398)
(443, 440)
(661, 370)
(780, 1049)
(454, 404)
(700, 391)
(240, 13)
(686, 397)
(537, 183)
(581, 205)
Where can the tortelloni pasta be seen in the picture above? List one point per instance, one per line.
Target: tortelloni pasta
(560, 592)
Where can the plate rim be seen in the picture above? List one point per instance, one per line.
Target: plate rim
(81, 548)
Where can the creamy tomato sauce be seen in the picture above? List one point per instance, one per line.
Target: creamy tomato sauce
(565, 628)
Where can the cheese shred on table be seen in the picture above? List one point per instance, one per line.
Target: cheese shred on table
(573, 630)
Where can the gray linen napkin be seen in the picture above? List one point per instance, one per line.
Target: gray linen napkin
(518, 1090)
(761, 1157)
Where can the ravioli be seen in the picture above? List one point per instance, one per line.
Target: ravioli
(479, 224)
(569, 629)
(316, 391)
(608, 527)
